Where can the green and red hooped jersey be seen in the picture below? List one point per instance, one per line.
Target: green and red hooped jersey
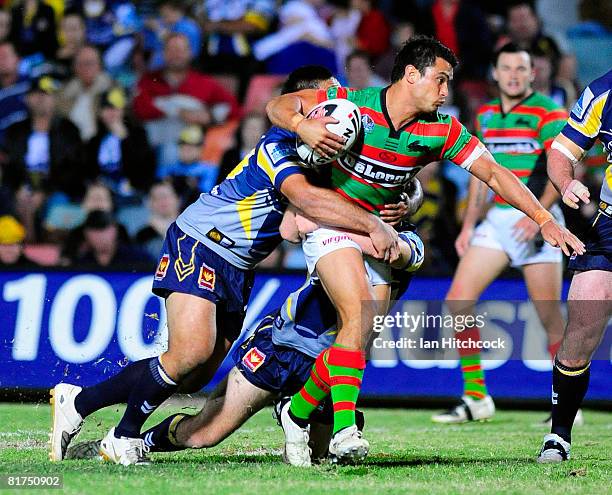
(383, 159)
(520, 138)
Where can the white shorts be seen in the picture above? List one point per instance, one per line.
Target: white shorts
(496, 232)
(324, 241)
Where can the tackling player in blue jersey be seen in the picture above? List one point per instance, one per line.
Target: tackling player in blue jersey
(205, 273)
(590, 294)
(275, 362)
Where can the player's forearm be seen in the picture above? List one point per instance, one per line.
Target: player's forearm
(326, 207)
(285, 111)
(550, 196)
(560, 170)
(514, 192)
(477, 198)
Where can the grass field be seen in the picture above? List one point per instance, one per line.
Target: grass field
(409, 455)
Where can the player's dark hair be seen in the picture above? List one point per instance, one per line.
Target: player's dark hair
(511, 48)
(306, 77)
(421, 52)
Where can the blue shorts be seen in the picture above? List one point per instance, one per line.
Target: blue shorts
(275, 368)
(598, 243)
(186, 265)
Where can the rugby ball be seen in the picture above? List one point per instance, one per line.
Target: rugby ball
(349, 125)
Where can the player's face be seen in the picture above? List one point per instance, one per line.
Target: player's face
(431, 88)
(514, 74)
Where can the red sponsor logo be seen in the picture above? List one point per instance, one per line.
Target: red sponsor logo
(253, 359)
(162, 268)
(336, 239)
(387, 156)
(207, 277)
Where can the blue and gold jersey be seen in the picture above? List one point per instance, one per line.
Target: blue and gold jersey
(239, 219)
(590, 119)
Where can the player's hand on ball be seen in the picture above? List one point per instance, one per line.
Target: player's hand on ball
(314, 133)
(559, 236)
(385, 241)
(462, 243)
(575, 192)
(525, 229)
(394, 213)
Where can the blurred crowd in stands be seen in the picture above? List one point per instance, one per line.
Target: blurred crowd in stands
(114, 115)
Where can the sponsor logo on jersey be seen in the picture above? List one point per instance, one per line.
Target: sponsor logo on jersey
(207, 277)
(279, 321)
(386, 156)
(512, 145)
(581, 106)
(162, 268)
(253, 359)
(278, 151)
(375, 171)
(220, 238)
(367, 123)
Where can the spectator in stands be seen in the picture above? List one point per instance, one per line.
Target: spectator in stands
(43, 154)
(402, 32)
(525, 30)
(13, 89)
(78, 100)
(12, 235)
(252, 127)
(5, 25)
(163, 204)
(173, 19)
(73, 38)
(33, 28)
(231, 26)
(190, 176)
(461, 26)
(545, 82)
(343, 26)
(359, 72)
(374, 30)
(176, 96)
(119, 155)
(303, 38)
(105, 246)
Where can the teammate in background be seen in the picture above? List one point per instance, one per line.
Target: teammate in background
(275, 362)
(403, 132)
(518, 129)
(590, 294)
(205, 273)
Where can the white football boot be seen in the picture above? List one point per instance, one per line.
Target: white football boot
(297, 451)
(124, 450)
(554, 449)
(66, 421)
(468, 410)
(348, 446)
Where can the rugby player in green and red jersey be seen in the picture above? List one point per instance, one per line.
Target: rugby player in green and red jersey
(518, 129)
(402, 132)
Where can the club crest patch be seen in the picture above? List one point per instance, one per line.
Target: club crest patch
(253, 359)
(162, 268)
(207, 277)
(367, 123)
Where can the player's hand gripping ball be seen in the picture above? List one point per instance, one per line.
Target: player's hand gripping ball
(349, 125)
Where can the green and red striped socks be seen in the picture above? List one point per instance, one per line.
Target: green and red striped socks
(346, 368)
(474, 385)
(340, 371)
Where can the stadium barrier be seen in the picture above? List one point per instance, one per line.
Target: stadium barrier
(83, 327)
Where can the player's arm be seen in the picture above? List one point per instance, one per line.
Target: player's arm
(326, 207)
(526, 229)
(477, 199)
(513, 191)
(562, 159)
(288, 111)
